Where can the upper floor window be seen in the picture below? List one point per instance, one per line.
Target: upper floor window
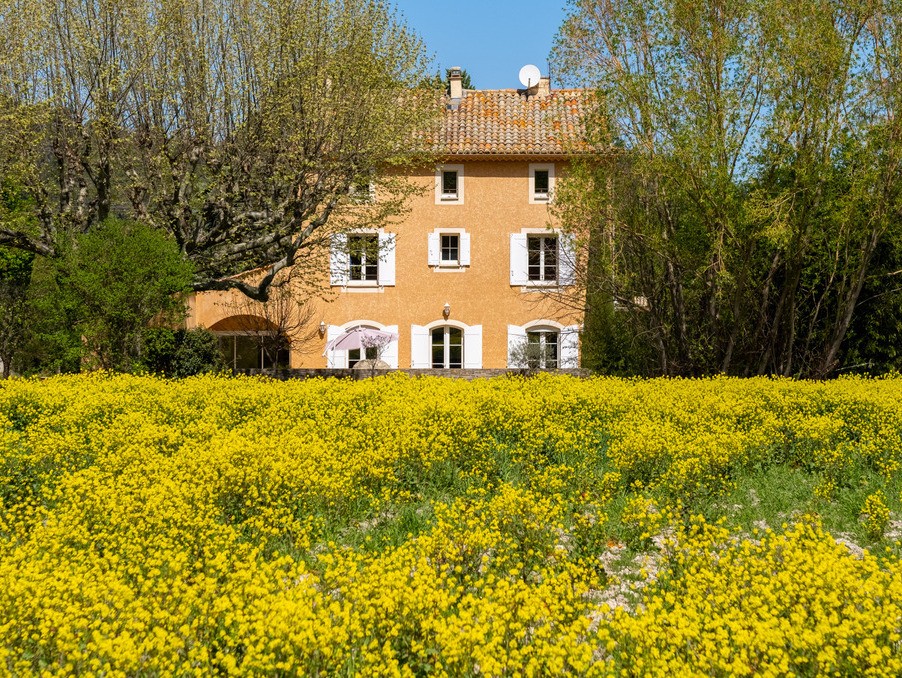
(541, 183)
(542, 258)
(362, 260)
(363, 256)
(449, 249)
(361, 190)
(540, 188)
(449, 185)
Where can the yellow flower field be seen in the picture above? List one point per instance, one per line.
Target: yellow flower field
(400, 526)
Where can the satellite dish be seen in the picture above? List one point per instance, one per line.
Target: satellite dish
(530, 75)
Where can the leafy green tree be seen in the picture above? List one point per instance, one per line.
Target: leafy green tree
(748, 170)
(438, 82)
(15, 277)
(181, 353)
(97, 298)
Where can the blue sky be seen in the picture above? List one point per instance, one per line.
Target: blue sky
(492, 39)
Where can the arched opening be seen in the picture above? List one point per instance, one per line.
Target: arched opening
(447, 347)
(355, 355)
(543, 347)
(252, 342)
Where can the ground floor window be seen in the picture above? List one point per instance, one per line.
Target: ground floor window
(447, 348)
(355, 355)
(542, 349)
(254, 351)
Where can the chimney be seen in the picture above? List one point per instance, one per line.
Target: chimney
(457, 89)
(544, 87)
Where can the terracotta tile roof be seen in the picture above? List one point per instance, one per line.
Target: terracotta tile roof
(505, 122)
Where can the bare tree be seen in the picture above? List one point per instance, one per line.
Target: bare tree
(282, 323)
(237, 127)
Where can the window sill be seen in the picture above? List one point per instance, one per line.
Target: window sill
(452, 199)
(534, 285)
(361, 286)
(449, 268)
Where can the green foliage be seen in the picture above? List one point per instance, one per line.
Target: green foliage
(15, 278)
(181, 353)
(93, 303)
(238, 122)
(437, 82)
(876, 515)
(747, 186)
(15, 274)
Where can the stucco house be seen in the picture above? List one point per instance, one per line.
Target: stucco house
(464, 278)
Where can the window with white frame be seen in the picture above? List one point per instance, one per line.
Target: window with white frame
(449, 184)
(541, 183)
(543, 344)
(361, 190)
(542, 258)
(449, 248)
(446, 344)
(363, 257)
(542, 348)
(447, 348)
(362, 260)
(355, 355)
(347, 358)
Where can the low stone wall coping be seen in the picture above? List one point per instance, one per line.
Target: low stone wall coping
(284, 374)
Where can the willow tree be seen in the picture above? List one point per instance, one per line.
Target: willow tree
(748, 169)
(237, 126)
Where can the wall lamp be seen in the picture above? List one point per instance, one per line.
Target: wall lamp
(322, 329)
(446, 310)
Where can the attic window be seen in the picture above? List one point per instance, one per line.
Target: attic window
(449, 184)
(541, 184)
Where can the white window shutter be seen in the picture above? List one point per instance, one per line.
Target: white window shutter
(335, 359)
(390, 352)
(516, 346)
(570, 346)
(473, 347)
(464, 249)
(518, 259)
(435, 255)
(566, 249)
(338, 259)
(419, 347)
(387, 259)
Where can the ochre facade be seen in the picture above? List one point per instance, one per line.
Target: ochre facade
(496, 203)
(497, 212)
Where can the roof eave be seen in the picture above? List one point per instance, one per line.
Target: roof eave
(511, 157)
